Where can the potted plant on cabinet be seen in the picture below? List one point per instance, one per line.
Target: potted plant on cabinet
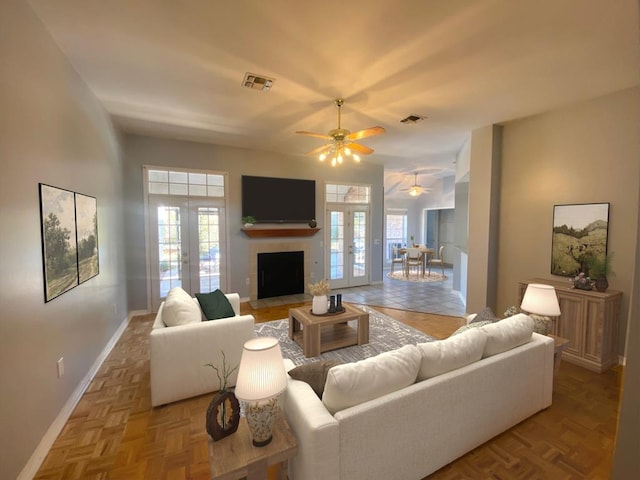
(599, 269)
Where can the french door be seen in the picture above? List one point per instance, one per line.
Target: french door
(348, 259)
(186, 245)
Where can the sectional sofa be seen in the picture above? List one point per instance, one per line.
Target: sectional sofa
(407, 413)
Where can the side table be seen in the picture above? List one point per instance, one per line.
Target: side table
(234, 457)
(559, 344)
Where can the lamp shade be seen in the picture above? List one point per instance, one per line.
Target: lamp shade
(261, 374)
(540, 299)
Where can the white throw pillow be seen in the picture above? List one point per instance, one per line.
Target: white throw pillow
(180, 309)
(353, 383)
(507, 334)
(454, 352)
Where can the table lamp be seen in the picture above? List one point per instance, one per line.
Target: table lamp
(261, 379)
(541, 302)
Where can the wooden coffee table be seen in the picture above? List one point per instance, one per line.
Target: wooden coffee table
(321, 333)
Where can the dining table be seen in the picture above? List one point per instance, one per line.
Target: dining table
(426, 254)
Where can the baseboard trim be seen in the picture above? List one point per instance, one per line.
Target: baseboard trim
(33, 465)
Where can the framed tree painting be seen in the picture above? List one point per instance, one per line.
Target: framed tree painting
(87, 236)
(579, 236)
(59, 247)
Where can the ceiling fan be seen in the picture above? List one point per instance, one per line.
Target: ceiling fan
(415, 189)
(341, 141)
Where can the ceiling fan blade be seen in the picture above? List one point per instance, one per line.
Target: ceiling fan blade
(368, 132)
(356, 147)
(318, 150)
(317, 135)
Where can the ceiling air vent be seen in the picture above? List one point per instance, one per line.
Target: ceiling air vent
(412, 119)
(257, 82)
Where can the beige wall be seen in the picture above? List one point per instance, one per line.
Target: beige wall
(580, 154)
(52, 130)
(626, 461)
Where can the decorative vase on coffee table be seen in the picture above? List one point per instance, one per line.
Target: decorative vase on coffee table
(319, 305)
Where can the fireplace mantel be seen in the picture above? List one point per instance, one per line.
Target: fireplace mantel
(279, 232)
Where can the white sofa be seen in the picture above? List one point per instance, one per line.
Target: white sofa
(179, 353)
(414, 431)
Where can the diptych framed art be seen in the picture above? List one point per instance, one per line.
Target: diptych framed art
(87, 233)
(69, 223)
(579, 235)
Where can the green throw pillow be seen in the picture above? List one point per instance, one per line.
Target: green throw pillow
(314, 373)
(215, 305)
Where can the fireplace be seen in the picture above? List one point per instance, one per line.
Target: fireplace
(259, 247)
(280, 273)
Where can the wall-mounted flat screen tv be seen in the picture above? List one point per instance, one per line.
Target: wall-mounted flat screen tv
(278, 200)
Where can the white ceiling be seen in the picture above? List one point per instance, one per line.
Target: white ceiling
(175, 67)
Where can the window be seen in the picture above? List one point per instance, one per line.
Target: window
(185, 183)
(396, 228)
(336, 193)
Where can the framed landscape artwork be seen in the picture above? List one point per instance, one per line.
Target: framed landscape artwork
(69, 239)
(87, 234)
(59, 249)
(579, 235)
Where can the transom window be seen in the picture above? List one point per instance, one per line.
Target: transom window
(185, 183)
(341, 193)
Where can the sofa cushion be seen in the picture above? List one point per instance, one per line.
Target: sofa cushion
(471, 326)
(454, 352)
(353, 383)
(215, 305)
(314, 373)
(179, 308)
(486, 315)
(507, 334)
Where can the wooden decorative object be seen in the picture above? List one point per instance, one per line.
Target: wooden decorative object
(257, 232)
(223, 415)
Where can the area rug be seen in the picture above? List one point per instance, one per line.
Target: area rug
(434, 277)
(385, 333)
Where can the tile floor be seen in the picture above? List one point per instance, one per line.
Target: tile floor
(431, 297)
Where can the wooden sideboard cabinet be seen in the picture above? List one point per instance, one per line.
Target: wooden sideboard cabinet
(589, 320)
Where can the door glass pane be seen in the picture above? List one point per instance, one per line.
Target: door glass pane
(359, 244)
(336, 265)
(209, 248)
(169, 249)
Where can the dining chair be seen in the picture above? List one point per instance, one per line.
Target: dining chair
(414, 259)
(397, 259)
(437, 261)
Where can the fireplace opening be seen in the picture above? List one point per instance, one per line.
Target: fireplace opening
(280, 273)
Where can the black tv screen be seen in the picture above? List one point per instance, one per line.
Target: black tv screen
(278, 200)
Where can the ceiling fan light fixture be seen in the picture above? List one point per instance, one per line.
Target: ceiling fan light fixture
(341, 142)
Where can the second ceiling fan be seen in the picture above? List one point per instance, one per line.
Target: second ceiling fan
(415, 189)
(341, 142)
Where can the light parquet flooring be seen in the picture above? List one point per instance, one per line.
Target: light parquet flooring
(115, 434)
